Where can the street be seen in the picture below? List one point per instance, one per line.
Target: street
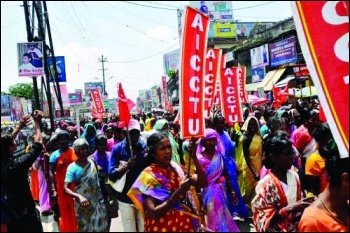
(50, 225)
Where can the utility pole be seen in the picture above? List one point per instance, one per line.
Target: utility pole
(41, 32)
(55, 78)
(103, 60)
(30, 38)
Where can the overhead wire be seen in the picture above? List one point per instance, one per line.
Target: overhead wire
(141, 59)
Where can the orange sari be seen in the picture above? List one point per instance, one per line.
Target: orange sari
(34, 184)
(68, 221)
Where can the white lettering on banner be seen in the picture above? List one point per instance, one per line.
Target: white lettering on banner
(330, 15)
(191, 126)
(197, 22)
(193, 86)
(193, 62)
(231, 99)
(209, 78)
(240, 82)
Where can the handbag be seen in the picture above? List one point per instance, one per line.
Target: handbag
(119, 184)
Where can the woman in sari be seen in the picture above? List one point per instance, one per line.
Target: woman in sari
(159, 189)
(210, 154)
(89, 134)
(90, 209)
(278, 205)
(58, 163)
(252, 151)
(163, 125)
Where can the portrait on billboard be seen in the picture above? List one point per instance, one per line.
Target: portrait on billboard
(30, 59)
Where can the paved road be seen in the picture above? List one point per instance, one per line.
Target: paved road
(50, 225)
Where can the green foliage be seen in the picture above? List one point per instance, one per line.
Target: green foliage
(24, 90)
(172, 73)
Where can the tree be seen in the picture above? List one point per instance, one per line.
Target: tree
(24, 90)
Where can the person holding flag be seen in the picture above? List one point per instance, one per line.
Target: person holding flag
(128, 158)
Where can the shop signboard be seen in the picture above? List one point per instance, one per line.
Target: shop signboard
(283, 52)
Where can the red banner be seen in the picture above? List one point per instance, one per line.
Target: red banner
(231, 101)
(212, 72)
(323, 33)
(98, 109)
(300, 70)
(123, 107)
(241, 75)
(192, 67)
(165, 91)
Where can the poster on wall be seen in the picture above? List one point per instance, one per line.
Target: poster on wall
(258, 74)
(259, 56)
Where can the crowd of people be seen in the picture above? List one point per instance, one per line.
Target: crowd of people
(280, 168)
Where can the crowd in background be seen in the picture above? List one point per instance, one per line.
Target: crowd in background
(280, 167)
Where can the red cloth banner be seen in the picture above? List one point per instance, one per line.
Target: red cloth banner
(192, 72)
(124, 113)
(323, 33)
(241, 75)
(217, 101)
(98, 109)
(231, 102)
(165, 91)
(212, 71)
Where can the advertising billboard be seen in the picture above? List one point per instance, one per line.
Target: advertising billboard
(61, 69)
(220, 11)
(171, 60)
(258, 74)
(30, 59)
(75, 98)
(88, 87)
(245, 29)
(64, 96)
(283, 52)
(224, 30)
(259, 56)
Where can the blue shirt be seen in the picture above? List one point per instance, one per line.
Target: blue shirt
(73, 172)
(121, 152)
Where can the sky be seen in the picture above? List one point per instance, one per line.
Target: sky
(132, 36)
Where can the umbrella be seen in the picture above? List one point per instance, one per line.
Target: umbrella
(260, 101)
(252, 98)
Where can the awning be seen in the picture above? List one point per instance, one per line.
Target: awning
(252, 86)
(274, 78)
(284, 81)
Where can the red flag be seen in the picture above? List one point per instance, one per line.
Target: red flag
(286, 88)
(131, 104)
(279, 97)
(124, 113)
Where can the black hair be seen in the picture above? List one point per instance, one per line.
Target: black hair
(51, 142)
(218, 117)
(99, 137)
(274, 146)
(152, 143)
(335, 166)
(6, 142)
(63, 133)
(321, 132)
